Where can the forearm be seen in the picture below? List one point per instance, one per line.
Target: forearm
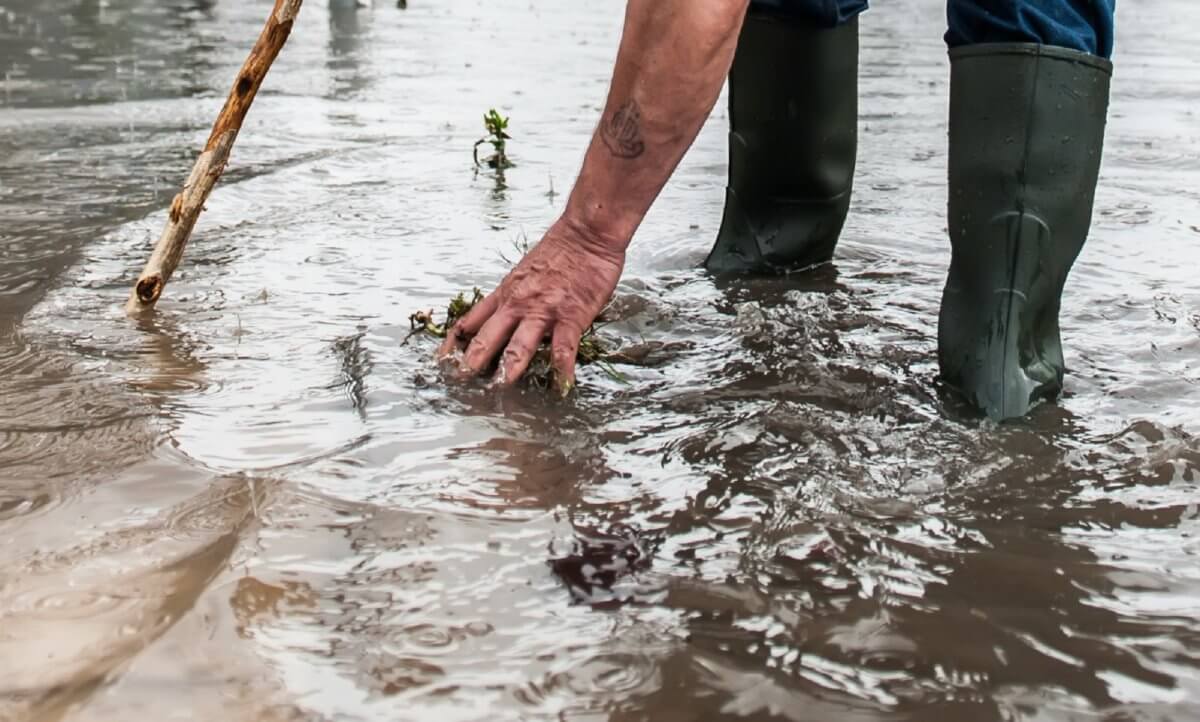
(673, 59)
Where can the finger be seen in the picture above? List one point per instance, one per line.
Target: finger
(520, 351)
(563, 350)
(458, 335)
(488, 343)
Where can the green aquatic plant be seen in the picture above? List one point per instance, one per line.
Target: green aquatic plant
(459, 306)
(496, 126)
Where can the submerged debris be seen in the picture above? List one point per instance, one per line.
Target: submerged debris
(594, 563)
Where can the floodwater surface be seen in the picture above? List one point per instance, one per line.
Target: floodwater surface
(260, 503)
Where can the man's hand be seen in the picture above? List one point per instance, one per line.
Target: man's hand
(557, 290)
(674, 56)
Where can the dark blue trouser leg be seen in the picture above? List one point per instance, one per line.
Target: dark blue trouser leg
(1083, 25)
(822, 13)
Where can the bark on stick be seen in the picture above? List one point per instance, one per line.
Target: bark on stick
(187, 204)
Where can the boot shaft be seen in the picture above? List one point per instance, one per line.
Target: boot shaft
(1026, 133)
(793, 116)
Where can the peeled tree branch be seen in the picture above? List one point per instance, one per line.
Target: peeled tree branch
(189, 202)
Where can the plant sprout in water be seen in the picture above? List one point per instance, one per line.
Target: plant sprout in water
(496, 126)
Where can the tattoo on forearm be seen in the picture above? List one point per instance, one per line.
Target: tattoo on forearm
(622, 131)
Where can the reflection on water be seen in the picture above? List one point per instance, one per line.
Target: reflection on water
(258, 504)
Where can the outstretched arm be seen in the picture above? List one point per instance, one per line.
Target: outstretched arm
(673, 59)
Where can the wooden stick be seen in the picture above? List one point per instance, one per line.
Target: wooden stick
(187, 204)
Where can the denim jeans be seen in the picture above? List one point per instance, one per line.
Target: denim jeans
(1084, 25)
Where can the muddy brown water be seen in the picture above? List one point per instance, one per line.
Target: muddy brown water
(259, 505)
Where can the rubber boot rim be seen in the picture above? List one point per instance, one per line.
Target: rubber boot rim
(1032, 49)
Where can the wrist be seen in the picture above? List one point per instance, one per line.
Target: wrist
(599, 236)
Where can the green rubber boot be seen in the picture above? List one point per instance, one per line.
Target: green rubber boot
(1026, 132)
(793, 115)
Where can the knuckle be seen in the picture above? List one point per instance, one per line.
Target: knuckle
(515, 354)
(563, 354)
(567, 338)
(476, 354)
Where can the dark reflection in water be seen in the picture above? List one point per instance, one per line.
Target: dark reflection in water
(348, 25)
(258, 504)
